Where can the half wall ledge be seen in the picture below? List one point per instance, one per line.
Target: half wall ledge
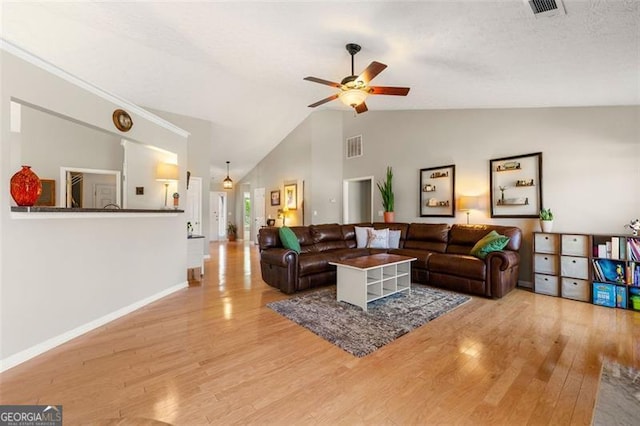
(18, 212)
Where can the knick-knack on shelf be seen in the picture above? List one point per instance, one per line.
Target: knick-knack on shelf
(25, 187)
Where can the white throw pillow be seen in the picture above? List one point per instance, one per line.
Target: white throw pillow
(378, 238)
(394, 238)
(362, 236)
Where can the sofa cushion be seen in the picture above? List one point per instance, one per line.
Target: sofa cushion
(362, 236)
(327, 237)
(378, 238)
(427, 236)
(304, 238)
(490, 242)
(462, 238)
(289, 239)
(456, 264)
(313, 263)
(394, 238)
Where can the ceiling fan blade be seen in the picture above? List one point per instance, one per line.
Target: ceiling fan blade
(324, 101)
(321, 81)
(384, 90)
(370, 72)
(362, 108)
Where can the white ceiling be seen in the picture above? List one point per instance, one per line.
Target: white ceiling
(240, 64)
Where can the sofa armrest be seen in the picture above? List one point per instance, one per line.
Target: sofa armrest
(502, 272)
(278, 256)
(279, 268)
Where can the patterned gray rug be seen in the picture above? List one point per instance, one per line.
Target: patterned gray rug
(618, 396)
(359, 332)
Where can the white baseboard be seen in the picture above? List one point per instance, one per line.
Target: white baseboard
(49, 344)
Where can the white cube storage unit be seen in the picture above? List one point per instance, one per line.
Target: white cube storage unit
(561, 265)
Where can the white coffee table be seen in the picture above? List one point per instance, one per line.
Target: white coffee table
(364, 279)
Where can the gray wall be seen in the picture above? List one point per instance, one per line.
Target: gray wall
(118, 261)
(591, 157)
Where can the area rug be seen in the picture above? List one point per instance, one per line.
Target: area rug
(358, 332)
(618, 395)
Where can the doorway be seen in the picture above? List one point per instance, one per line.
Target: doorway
(358, 200)
(246, 222)
(259, 210)
(218, 222)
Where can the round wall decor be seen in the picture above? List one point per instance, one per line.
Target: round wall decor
(122, 120)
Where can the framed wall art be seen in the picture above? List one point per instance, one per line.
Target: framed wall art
(48, 195)
(291, 196)
(437, 189)
(275, 198)
(516, 186)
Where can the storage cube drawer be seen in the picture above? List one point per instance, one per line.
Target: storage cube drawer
(545, 263)
(572, 288)
(546, 243)
(575, 267)
(575, 245)
(546, 284)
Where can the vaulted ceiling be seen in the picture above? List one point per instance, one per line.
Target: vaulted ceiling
(240, 64)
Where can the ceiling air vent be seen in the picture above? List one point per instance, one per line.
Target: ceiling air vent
(545, 8)
(354, 146)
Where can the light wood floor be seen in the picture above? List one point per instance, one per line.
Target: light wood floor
(213, 353)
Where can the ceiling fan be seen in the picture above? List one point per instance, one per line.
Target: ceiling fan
(354, 89)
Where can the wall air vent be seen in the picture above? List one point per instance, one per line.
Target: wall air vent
(354, 146)
(546, 8)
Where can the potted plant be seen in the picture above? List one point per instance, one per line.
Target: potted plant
(232, 231)
(386, 191)
(546, 220)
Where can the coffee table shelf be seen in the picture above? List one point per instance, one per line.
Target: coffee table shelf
(365, 279)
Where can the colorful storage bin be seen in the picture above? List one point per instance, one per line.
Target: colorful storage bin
(604, 294)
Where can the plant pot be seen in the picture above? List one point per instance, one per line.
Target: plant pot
(389, 217)
(546, 225)
(231, 237)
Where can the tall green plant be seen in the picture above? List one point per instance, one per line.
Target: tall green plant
(386, 191)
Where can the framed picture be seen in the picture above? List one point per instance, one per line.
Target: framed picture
(437, 189)
(516, 186)
(48, 196)
(291, 196)
(275, 198)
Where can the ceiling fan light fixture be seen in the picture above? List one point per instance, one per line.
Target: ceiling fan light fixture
(353, 97)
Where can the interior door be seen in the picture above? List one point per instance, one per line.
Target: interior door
(217, 222)
(194, 204)
(103, 195)
(259, 210)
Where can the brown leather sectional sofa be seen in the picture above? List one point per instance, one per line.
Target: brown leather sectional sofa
(442, 254)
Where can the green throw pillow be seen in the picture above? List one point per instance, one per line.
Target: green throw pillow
(490, 242)
(289, 239)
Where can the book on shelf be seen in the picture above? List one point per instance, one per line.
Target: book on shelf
(615, 247)
(602, 251)
(623, 248)
(609, 270)
(633, 249)
(608, 250)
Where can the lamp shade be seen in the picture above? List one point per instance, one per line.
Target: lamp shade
(468, 202)
(353, 97)
(167, 172)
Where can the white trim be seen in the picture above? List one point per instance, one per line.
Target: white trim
(49, 344)
(91, 88)
(87, 215)
(62, 190)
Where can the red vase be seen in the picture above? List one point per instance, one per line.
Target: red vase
(25, 187)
